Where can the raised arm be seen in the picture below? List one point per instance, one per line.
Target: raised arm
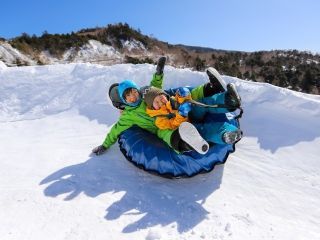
(157, 78)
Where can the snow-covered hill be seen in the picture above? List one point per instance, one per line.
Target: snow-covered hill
(94, 51)
(12, 56)
(52, 116)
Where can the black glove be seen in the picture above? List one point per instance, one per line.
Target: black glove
(160, 65)
(99, 150)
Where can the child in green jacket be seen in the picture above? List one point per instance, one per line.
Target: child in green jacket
(127, 97)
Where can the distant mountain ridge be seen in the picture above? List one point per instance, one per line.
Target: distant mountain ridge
(202, 49)
(119, 43)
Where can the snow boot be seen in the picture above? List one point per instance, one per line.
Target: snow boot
(232, 137)
(160, 65)
(216, 80)
(232, 97)
(190, 135)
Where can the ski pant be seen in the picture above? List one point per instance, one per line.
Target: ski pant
(198, 113)
(211, 131)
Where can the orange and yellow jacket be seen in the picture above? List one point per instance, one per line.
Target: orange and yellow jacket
(167, 117)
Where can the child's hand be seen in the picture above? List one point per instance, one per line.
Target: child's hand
(184, 109)
(159, 101)
(99, 150)
(183, 91)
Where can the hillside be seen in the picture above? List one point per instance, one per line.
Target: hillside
(120, 43)
(52, 116)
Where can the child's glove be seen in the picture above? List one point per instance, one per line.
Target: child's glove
(183, 92)
(99, 150)
(184, 109)
(160, 65)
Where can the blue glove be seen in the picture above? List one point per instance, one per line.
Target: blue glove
(184, 109)
(183, 91)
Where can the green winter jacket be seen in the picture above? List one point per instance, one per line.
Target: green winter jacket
(134, 116)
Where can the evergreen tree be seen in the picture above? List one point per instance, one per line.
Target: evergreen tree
(199, 64)
(246, 75)
(253, 76)
(306, 82)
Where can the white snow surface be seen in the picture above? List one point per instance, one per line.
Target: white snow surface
(2, 66)
(51, 188)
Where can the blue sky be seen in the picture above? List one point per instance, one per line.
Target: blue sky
(246, 25)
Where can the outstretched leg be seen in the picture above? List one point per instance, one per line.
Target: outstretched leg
(216, 79)
(230, 98)
(219, 132)
(216, 84)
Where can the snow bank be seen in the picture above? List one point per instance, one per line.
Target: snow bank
(42, 91)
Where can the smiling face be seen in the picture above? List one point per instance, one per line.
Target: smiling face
(159, 101)
(132, 95)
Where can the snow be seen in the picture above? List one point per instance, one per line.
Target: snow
(46, 58)
(133, 45)
(309, 61)
(2, 66)
(51, 188)
(10, 55)
(93, 50)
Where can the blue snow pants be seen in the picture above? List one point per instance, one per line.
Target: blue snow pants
(211, 131)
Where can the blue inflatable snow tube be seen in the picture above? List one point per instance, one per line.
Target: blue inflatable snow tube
(150, 153)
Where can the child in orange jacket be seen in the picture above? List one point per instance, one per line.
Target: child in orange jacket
(170, 112)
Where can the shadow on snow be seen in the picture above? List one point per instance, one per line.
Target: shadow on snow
(276, 126)
(160, 201)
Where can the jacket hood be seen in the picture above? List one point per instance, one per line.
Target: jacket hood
(123, 86)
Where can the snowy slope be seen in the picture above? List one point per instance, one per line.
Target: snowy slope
(10, 55)
(52, 116)
(93, 51)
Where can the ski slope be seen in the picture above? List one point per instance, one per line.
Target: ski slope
(51, 188)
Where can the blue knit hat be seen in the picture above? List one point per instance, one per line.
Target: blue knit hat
(123, 86)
